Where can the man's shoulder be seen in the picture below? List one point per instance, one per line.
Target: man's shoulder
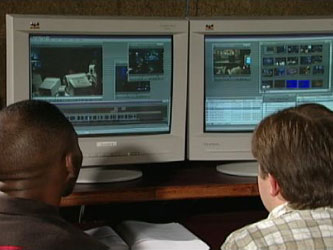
(47, 231)
(286, 227)
(248, 236)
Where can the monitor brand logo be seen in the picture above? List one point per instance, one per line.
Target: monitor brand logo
(34, 25)
(107, 144)
(209, 26)
(167, 26)
(211, 144)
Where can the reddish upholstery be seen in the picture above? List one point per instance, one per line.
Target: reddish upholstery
(10, 248)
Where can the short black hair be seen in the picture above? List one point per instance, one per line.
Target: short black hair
(32, 133)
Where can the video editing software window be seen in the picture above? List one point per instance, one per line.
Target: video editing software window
(105, 84)
(250, 77)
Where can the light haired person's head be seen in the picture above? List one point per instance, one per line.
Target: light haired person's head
(295, 146)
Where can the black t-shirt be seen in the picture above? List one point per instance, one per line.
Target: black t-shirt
(34, 225)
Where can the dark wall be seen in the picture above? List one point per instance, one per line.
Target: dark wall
(163, 8)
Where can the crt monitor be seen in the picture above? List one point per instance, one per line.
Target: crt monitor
(121, 82)
(242, 70)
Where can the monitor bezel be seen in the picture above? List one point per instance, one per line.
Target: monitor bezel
(107, 150)
(231, 146)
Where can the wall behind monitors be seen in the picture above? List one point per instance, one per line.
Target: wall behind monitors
(243, 70)
(121, 82)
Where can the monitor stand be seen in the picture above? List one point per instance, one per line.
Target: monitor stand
(246, 168)
(107, 175)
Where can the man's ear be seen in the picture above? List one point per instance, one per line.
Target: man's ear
(71, 171)
(274, 186)
(70, 166)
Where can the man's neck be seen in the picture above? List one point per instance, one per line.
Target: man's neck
(20, 189)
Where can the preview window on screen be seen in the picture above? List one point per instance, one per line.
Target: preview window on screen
(249, 77)
(105, 84)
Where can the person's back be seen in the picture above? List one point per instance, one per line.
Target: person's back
(39, 163)
(286, 228)
(294, 149)
(36, 225)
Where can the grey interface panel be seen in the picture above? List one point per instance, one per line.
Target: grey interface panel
(250, 77)
(105, 84)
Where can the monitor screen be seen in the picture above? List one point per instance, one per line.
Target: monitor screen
(250, 77)
(105, 84)
(242, 70)
(122, 82)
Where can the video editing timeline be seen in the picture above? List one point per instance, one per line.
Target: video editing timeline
(250, 77)
(117, 118)
(105, 84)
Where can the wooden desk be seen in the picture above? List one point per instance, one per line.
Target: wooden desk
(167, 181)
